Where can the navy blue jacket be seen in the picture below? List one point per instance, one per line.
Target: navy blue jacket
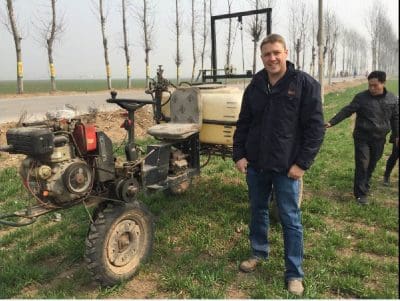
(376, 115)
(282, 125)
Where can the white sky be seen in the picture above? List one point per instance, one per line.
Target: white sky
(80, 53)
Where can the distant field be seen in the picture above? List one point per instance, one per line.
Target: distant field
(79, 85)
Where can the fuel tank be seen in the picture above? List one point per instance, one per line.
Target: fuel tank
(220, 109)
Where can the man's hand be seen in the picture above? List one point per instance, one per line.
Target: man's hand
(295, 172)
(327, 125)
(241, 165)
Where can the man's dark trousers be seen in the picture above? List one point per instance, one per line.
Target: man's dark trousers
(368, 151)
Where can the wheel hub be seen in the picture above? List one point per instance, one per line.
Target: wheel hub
(124, 243)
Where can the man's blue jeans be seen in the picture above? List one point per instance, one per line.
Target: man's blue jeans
(287, 194)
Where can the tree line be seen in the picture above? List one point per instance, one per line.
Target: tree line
(344, 49)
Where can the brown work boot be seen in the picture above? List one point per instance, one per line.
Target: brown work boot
(295, 287)
(250, 264)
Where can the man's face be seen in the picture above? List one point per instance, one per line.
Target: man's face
(274, 57)
(375, 87)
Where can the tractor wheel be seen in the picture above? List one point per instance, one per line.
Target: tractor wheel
(118, 241)
(273, 208)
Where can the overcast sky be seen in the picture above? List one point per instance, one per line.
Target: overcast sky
(80, 54)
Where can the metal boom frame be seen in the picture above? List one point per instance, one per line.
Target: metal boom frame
(239, 15)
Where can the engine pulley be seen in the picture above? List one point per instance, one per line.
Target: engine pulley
(128, 190)
(77, 178)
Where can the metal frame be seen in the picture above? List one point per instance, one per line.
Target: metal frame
(239, 15)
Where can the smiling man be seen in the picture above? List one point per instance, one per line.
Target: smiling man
(278, 134)
(377, 112)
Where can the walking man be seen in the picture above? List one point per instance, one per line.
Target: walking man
(278, 134)
(377, 112)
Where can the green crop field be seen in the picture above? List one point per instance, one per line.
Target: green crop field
(351, 251)
(79, 85)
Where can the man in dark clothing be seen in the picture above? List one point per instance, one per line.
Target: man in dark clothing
(278, 134)
(391, 161)
(377, 112)
(394, 156)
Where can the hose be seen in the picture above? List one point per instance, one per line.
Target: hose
(15, 224)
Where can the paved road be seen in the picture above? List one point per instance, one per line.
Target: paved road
(37, 106)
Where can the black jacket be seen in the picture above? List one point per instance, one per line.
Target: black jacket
(376, 115)
(280, 126)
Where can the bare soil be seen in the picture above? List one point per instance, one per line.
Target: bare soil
(110, 122)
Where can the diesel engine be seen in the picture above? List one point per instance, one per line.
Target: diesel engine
(62, 161)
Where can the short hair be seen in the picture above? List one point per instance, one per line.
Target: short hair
(273, 38)
(379, 75)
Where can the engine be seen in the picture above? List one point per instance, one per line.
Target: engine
(62, 164)
(57, 178)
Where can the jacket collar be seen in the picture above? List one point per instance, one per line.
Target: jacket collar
(260, 79)
(380, 95)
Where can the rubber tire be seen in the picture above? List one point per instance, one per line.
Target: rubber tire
(97, 242)
(273, 208)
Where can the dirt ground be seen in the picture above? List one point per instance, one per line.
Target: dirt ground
(110, 123)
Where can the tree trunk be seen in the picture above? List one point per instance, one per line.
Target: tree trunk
(320, 48)
(193, 31)
(146, 42)
(373, 54)
(103, 32)
(178, 60)
(330, 63)
(229, 42)
(313, 55)
(50, 42)
(304, 53)
(203, 49)
(17, 42)
(255, 41)
(126, 47)
(298, 47)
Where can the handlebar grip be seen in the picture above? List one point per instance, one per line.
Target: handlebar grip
(130, 100)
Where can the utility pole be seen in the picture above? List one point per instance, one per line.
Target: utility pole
(320, 48)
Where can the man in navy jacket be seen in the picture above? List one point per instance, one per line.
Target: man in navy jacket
(377, 112)
(278, 134)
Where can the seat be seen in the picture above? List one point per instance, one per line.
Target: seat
(186, 116)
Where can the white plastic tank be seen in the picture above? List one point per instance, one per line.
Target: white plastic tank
(221, 107)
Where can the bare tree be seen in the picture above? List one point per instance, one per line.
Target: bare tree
(344, 43)
(12, 28)
(204, 34)
(299, 19)
(99, 8)
(304, 21)
(354, 62)
(373, 22)
(193, 35)
(144, 15)
(387, 49)
(178, 24)
(312, 40)
(229, 40)
(126, 44)
(50, 31)
(256, 26)
(332, 33)
(320, 38)
(293, 30)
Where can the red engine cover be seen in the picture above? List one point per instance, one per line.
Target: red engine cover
(85, 137)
